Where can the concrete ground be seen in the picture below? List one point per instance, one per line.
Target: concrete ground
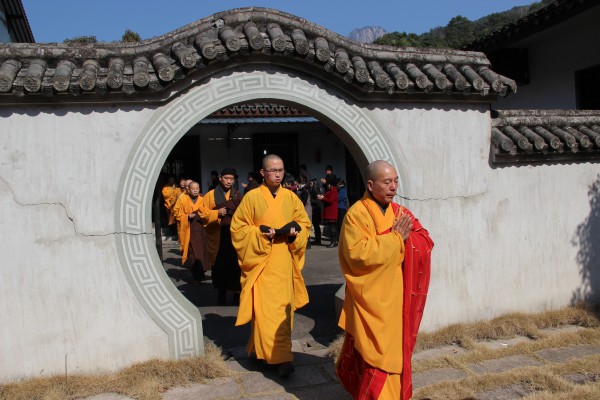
(315, 326)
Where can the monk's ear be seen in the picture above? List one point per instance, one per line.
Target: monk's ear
(370, 186)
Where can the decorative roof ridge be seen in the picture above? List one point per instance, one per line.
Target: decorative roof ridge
(236, 17)
(250, 35)
(272, 110)
(542, 136)
(544, 117)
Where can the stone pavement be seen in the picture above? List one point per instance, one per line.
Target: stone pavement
(314, 329)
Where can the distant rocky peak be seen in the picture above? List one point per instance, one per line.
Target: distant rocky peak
(368, 34)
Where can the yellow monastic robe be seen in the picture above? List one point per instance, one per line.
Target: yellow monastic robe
(169, 196)
(212, 224)
(372, 266)
(272, 283)
(185, 206)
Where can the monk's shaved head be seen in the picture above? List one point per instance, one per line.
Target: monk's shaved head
(376, 168)
(194, 184)
(382, 181)
(270, 157)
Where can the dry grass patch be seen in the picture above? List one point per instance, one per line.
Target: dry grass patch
(482, 353)
(145, 381)
(508, 326)
(546, 381)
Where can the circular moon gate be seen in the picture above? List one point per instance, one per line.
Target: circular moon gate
(144, 271)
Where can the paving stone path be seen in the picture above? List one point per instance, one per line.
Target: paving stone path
(315, 328)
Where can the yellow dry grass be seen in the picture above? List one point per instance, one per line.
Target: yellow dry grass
(546, 381)
(144, 381)
(508, 326)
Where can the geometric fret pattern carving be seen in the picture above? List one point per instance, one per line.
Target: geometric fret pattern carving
(141, 265)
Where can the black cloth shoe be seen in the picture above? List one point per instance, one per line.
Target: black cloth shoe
(285, 369)
(332, 245)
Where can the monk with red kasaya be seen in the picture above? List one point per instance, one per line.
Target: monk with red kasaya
(385, 257)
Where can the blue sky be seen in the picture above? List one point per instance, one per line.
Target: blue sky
(56, 20)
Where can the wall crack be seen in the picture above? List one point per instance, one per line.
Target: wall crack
(465, 197)
(64, 208)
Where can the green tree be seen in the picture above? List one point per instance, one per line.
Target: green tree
(459, 30)
(130, 37)
(81, 39)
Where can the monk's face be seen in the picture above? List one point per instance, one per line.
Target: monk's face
(182, 184)
(194, 190)
(273, 172)
(187, 186)
(226, 181)
(384, 186)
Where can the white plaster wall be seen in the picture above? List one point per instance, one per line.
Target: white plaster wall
(64, 299)
(554, 57)
(505, 238)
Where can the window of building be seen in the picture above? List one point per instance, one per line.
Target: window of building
(587, 84)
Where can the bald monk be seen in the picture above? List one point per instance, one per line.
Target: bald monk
(169, 198)
(270, 230)
(385, 255)
(192, 232)
(219, 206)
(182, 197)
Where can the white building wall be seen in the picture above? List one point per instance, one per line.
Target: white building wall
(554, 57)
(505, 238)
(64, 300)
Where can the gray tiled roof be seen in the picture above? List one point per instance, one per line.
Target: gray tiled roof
(534, 136)
(126, 72)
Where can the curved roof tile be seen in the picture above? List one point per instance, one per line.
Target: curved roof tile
(533, 136)
(249, 35)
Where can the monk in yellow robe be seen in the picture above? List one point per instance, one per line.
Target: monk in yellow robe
(176, 210)
(384, 254)
(169, 198)
(270, 230)
(187, 209)
(219, 205)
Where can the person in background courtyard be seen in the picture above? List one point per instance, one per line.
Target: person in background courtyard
(183, 187)
(219, 205)
(328, 175)
(330, 209)
(343, 203)
(316, 190)
(252, 184)
(385, 257)
(303, 175)
(270, 230)
(192, 233)
(169, 198)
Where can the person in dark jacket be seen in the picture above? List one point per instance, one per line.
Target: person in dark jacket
(316, 190)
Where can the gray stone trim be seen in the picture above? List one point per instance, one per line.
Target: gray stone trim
(162, 301)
